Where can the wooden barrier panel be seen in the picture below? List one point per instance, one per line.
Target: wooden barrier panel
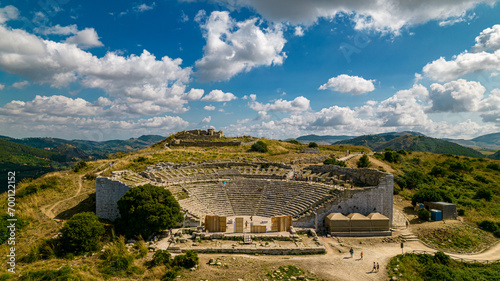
(215, 223)
(281, 223)
(238, 225)
(258, 228)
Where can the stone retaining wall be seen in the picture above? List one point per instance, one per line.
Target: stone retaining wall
(204, 143)
(271, 251)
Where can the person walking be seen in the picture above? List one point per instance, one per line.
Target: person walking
(351, 251)
(361, 255)
(374, 267)
(378, 267)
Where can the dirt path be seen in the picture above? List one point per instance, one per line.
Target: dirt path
(49, 213)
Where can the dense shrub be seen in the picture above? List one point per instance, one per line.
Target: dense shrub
(461, 212)
(488, 226)
(412, 179)
(332, 161)
(147, 209)
(313, 145)
(259, 146)
(493, 166)
(294, 142)
(438, 171)
(460, 166)
(424, 214)
(363, 162)
(118, 261)
(426, 195)
(265, 165)
(82, 233)
(483, 193)
(441, 257)
(160, 257)
(189, 260)
(393, 157)
(80, 165)
(402, 152)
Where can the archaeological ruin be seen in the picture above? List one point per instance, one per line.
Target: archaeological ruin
(233, 189)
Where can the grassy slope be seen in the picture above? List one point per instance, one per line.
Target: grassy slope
(460, 185)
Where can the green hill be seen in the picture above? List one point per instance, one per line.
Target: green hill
(96, 149)
(412, 142)
(495, 156)
(30, 162)
(322, 139)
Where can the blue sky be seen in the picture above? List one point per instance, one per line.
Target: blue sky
(103, 70)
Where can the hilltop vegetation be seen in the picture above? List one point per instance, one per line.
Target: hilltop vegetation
(411, 142)
(471, 183)
(29, 162)
(439, 267)
(95, 149)
(33, 157)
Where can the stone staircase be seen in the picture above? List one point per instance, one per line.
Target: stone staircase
(407, 237)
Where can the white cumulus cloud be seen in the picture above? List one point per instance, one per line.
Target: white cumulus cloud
(209, 107)
(484, 56)
(219, 96)
(234, 47)
(206, 119)
(20, 85)
(297, 105)
(85, 39)
(379, 15)
(349, 84)
(8, 13)
(456, 96)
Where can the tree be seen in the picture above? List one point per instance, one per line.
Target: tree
(147, 209)
(259, 146)
(82, 233)
(424, 214)
(313, 145)
(363, 162)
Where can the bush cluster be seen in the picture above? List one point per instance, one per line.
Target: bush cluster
(259, 146)
(490, 226)
(162, 257)
(332, 161)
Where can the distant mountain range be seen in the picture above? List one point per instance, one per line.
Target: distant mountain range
(85, 148)
(33, 157)
(322, 139)
(490, 141)
(414, 141)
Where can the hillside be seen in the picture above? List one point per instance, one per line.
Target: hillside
(30, 162)
(411, 142)
(322, 139)
(495, 156)
(490, 141)
(96, 149)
